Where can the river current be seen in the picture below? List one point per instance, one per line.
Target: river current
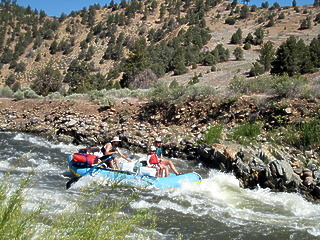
(217, 208)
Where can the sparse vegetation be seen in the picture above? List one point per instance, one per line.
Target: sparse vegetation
(303, 135)
(162, 93)
(246, 133)
(213, 134)
(82, 221)
(282, 86)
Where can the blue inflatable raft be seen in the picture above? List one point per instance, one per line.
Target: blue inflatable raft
(134, 176)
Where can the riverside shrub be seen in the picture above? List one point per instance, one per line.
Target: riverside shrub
(303, 134)
(213, 134)
(246, 133)
(6, 92)
(93, 215)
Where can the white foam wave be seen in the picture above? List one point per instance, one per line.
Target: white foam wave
(40, 141)
(220, 198)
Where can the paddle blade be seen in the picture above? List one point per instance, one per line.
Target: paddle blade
(71, 181)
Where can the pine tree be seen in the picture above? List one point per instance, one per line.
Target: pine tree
(136, 62)
(259, 33)
(236, 38)
(178, 61)
(292, 57)
(53, 47)
(78, 77)
(244, 12)
(238, 53)
(256, 69)
(47, 80)
(306, 23)
(162, 11)
(266, 57)
(294, 3)
(314, 50)
(209, 59)
(249, 39)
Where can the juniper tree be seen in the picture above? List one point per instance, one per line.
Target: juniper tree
(259, 33)
(314, 49)
(292, 57)
(48, 80)
(244, 12)
(266, 57)
(136, 62)
(236, 38)
(238, 53)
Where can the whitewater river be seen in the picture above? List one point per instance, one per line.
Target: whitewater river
(214, 209)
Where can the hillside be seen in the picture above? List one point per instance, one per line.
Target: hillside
(90, 37)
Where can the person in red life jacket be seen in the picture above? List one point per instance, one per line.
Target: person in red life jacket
(110, 150)
(154, 162)
(166, 163)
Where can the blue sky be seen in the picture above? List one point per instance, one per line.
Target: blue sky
(56, 7)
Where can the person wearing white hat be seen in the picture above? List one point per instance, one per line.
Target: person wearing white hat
(154, 162)
(110, 150)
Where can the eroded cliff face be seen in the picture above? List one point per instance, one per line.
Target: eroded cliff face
(142, 121)
(182, 127)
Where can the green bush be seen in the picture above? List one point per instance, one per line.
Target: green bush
(286, 86)
(6, 92)
(140, 93)
(97, 95)
(283, 86)
(252, 85)
(29, 93)
(119, 93)
(108, 101)
(246, 133)
(303, 134)
(311, 92)
(18, 95)
(77, 96)
(213, 134)
(55, 95)
(200, 90)
(161, 92)
(94, 214)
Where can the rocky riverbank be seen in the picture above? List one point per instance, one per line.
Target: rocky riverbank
(181, 126)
